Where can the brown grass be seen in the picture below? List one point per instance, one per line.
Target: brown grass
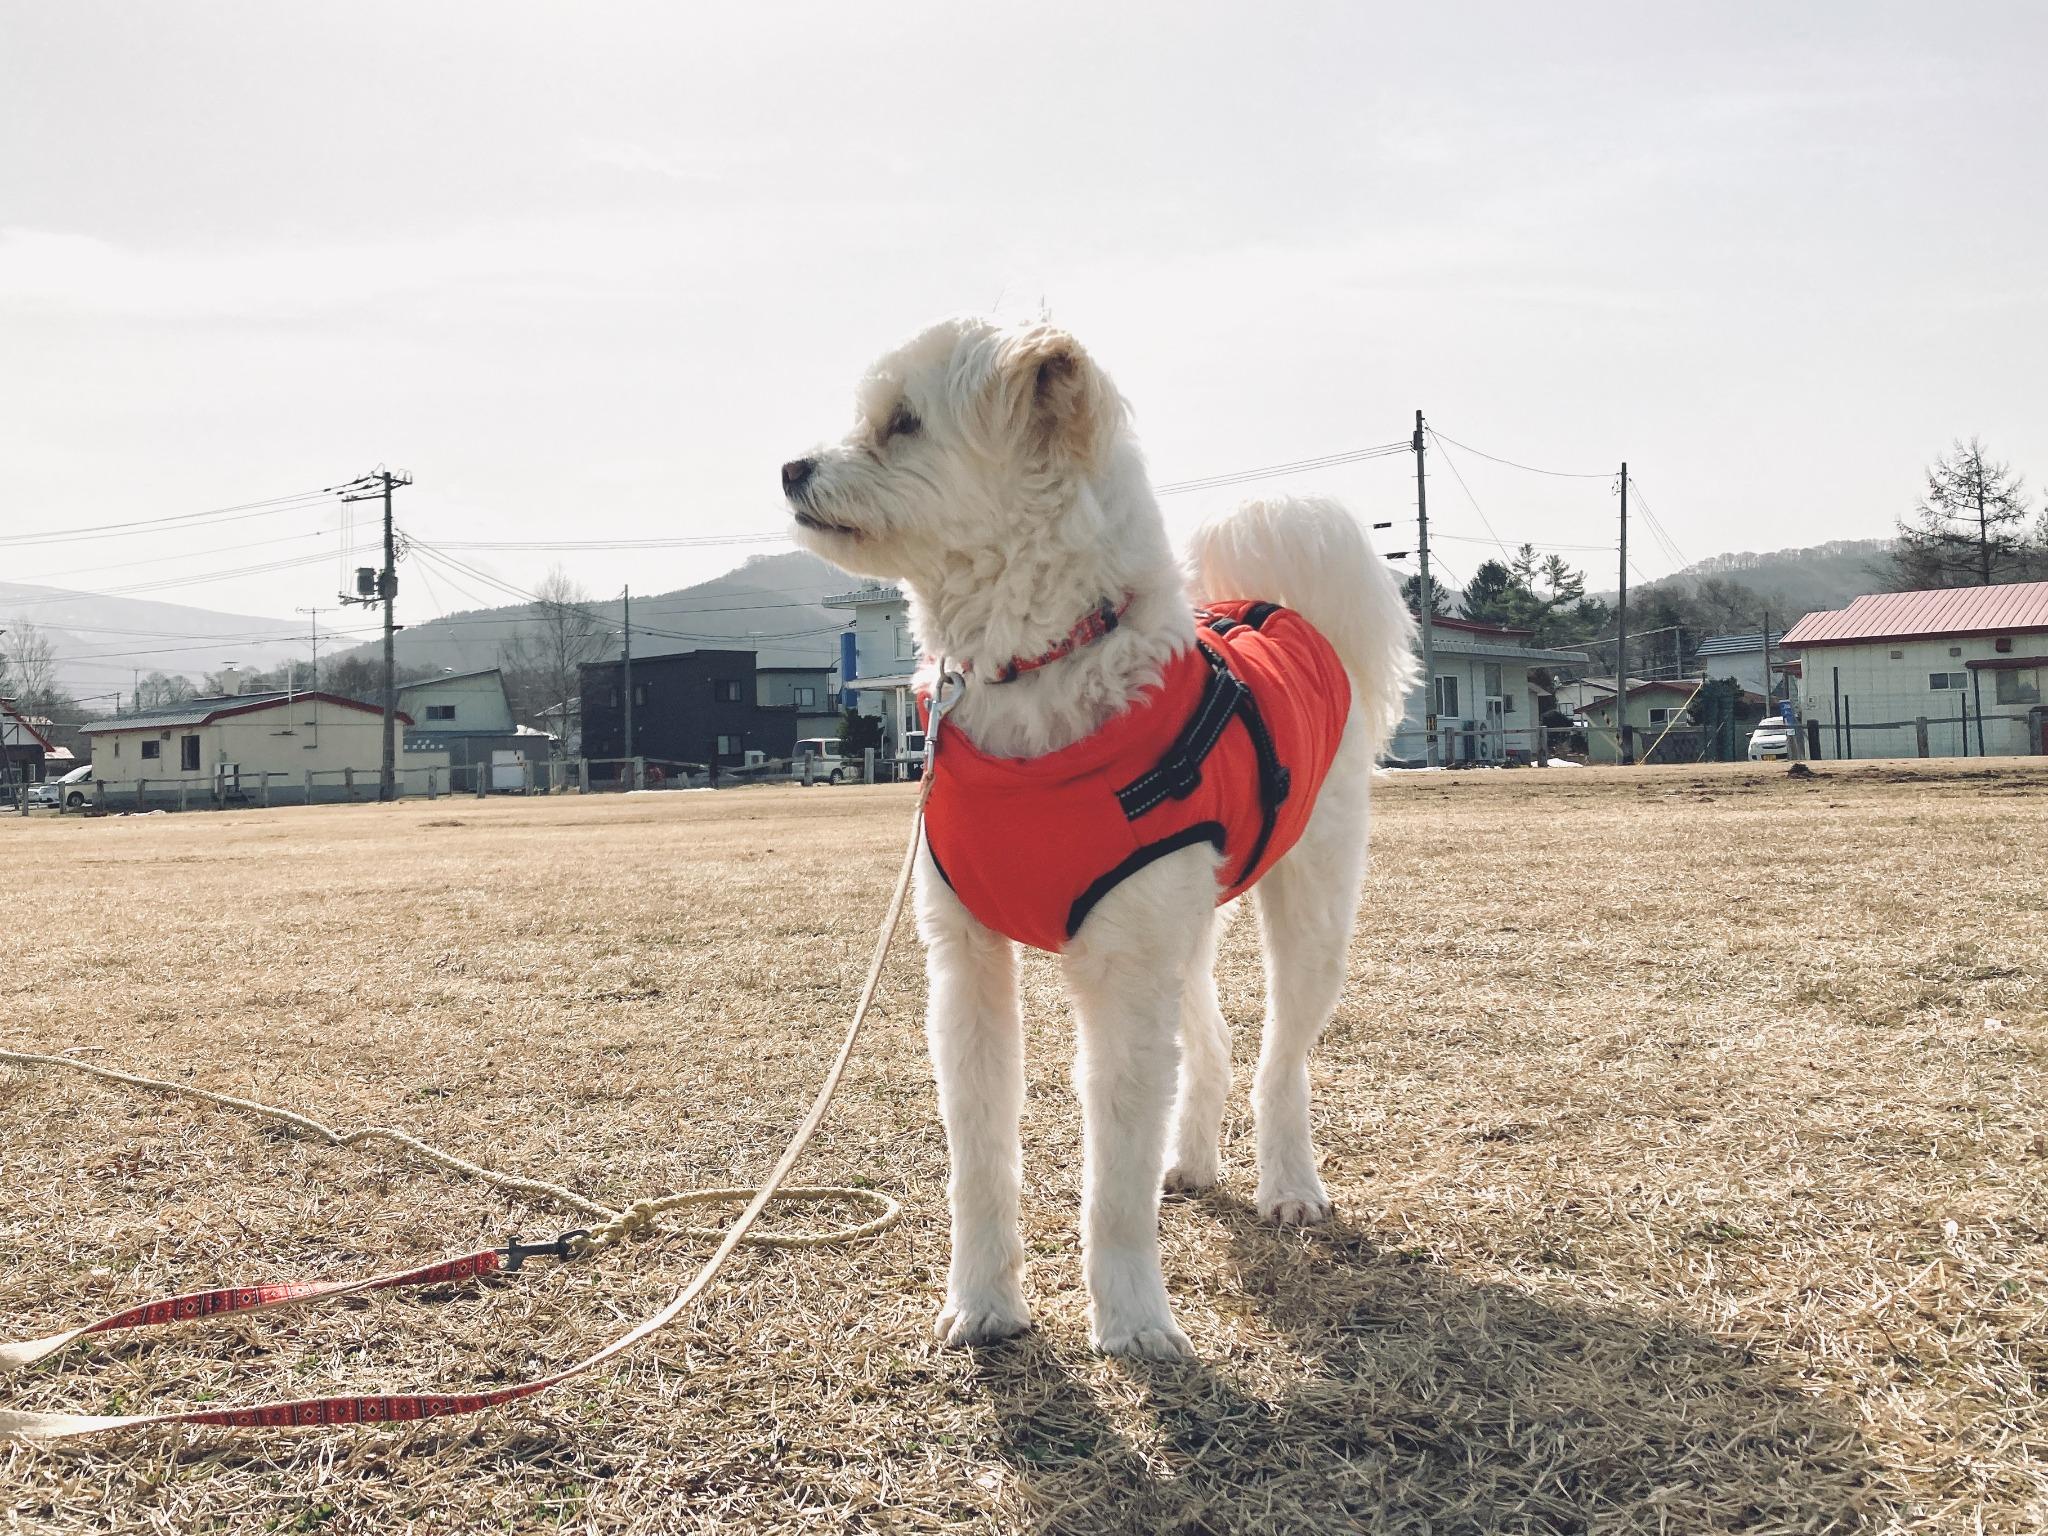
(1685, 1127)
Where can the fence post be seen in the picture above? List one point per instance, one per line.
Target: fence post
(348, 782)
(309, 786)
(184, 794)
(140, 803)
(483, 778)
(1920, 734)
(639, 779)
(810, 765)
(867, 770)
(266, 789)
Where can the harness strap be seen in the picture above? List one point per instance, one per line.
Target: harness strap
(1225, 697)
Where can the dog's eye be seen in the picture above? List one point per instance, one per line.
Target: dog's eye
(903, 422)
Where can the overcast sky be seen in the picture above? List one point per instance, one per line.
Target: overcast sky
(594, 271)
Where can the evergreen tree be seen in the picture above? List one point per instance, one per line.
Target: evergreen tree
(1971, 529)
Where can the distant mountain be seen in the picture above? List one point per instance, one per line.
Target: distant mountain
(100, 643)
(770, 606)
(1787, 582)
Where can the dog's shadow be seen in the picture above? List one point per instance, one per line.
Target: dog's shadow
(1424, 1403)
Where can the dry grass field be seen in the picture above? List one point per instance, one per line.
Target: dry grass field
(1685, 1126)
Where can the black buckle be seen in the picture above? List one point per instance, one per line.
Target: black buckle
(517, 1253)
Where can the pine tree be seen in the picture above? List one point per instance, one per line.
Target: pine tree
(1971, 528)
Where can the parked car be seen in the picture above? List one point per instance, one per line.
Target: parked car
(827, 762)
(1771, 738)
(910, 756)
(72, 792)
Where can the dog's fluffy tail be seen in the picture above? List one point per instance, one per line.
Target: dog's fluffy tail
(1309, 554)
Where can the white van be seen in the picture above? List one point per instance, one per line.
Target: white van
(826, 761)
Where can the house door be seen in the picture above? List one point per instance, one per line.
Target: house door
(1494, 745)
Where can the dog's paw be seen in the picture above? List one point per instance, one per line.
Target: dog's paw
(1161, 1341)
(1295, 1210)
(980, 1320)
(1189, 1177)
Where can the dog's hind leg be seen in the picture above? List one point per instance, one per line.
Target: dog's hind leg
(976, 1038)
(1127, 971)
(1204, 1075)
(1307, 905)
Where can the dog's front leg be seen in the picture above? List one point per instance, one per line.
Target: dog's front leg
(977, 1043)
(1126, 971)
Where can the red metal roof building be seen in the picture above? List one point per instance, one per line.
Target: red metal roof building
(2019, 607)
(1958, 671)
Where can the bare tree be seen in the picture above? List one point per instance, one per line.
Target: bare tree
(1970, 529)
(28, 668)
(158, 688)
(542, 658)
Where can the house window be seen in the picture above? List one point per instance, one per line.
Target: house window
(2019, 687)
(1940, 680)
(639, 694)
(150, 749)
(906, 648)
(728, 746)
(1955, 650)
(188, 753)
(806, 698)
(1659, 716)
(440, 711)
(726, 691)
(117, 746)
(1493, 679)
(1447, 695)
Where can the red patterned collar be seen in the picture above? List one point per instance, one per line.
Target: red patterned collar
(1098, 623)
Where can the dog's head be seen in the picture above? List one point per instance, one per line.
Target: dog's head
(965, 439)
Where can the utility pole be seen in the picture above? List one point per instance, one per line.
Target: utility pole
(1622, 752)
(315, 612)
(6, 758)
(381, 586)
(626, 668)
(1424, 601)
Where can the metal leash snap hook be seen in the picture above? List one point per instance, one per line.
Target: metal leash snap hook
(946, 693)
(517, 1253)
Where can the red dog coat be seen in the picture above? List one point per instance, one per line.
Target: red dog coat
(1229, 749)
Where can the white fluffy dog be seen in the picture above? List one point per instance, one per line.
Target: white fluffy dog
(992, 471)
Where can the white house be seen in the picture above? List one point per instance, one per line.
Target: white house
(466, 717)
(226, 743)
(878, 657)
(1487, 707)
(1961, 666)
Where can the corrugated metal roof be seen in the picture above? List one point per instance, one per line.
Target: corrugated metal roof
(166, 717)
(2008, 608)
(452, 677)
(1737, 644)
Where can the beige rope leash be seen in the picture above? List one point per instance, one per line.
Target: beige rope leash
(613, 1225)
(22, 1425)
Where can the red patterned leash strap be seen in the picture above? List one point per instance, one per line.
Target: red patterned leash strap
(199, 1306)
(17, 1425)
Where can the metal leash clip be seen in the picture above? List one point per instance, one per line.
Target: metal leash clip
(517, 1253)
(946, 693)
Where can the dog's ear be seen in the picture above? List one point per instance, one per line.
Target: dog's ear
(1059, 399)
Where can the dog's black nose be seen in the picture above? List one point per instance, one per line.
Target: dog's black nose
(796, 474)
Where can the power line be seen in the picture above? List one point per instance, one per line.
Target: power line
(697, 542)
(1562, 474)
(190, 554)
(1271, 471)
(1458, 475)
(233, 514)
